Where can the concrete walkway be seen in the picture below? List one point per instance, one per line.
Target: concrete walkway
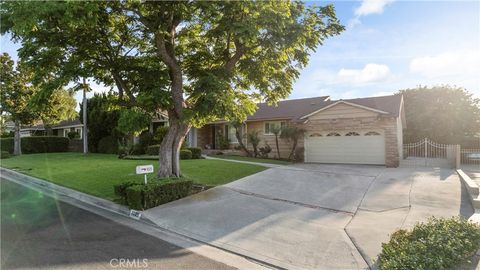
(310, 216)
(268, 165)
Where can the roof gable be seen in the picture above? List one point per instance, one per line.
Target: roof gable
(344, 109)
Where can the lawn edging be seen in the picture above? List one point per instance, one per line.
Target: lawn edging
(33, 182)
(268, 165)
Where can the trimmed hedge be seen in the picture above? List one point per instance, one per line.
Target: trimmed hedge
(4, 154)
(140, 196)
(108, 145)
(437, 244)
(196, 152)
(37, 144)
(185, 154)
(153, 150)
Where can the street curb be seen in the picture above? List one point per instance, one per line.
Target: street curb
(209, 251)
(472, 188)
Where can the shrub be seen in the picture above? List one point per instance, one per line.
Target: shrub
(140, 196)
(73, 135)
(145, 139)
(185, 154)
(436, 244)
(37, 144)
(153, 150)
(196, 152)
(6, 144)
(134, 197)
(120, 189)
(264, 151)
(4, 154)
(108, 145)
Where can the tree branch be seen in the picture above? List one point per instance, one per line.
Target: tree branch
(239, 52)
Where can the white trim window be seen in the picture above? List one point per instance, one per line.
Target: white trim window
(270, 126)
(79, 131)
(231, 134)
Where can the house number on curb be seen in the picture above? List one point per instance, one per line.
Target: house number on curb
(135, 214)
(144, 169)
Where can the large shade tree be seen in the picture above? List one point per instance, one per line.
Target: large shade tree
(445, 114)
(198, 61)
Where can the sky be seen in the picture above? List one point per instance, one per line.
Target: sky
(387, 46)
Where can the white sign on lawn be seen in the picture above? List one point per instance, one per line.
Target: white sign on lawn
(144, 169)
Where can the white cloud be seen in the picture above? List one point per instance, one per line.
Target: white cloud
(371, 7)
(459, 64)
(371, 73)
(368, 7)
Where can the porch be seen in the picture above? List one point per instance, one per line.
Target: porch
(216, 136)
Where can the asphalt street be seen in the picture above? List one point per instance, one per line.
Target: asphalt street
(38, 232)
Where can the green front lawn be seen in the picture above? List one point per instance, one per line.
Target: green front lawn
(252, 159)
(96, 174)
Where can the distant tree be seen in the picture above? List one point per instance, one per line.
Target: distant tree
(58, 107)
(15, 96)
(445, 114)
(292, 134)
(103, 113)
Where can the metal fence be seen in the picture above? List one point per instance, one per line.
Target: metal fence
(470, 156)
(427, 153)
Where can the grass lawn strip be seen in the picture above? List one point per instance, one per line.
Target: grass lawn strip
(96, 174)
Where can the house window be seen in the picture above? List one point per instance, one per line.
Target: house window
(352, 133)
(333, 134)
(372, 133)
(271, 126)
(231, 134)
(65, 132)
(79, 131)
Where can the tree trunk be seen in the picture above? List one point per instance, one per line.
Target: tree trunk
(17, 142)
(48, 130)
(293, 149)
(240, 141)
(276, 143)
(169, 154)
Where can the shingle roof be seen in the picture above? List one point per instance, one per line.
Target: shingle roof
(67, 123)
(294, 109)
(288, 109)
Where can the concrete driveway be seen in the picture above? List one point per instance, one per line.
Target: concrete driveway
(314, 216)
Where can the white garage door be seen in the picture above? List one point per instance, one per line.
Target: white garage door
(357, 147)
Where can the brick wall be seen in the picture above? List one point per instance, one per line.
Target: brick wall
(284, 146)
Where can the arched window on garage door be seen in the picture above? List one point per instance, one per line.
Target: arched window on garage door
(372, 133)
(352, 133)
(315, 135)
(333, 134)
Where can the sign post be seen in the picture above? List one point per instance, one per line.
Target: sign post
(144, 169)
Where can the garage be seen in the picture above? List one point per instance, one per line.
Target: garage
(350, 147)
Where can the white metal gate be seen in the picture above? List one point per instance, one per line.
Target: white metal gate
(427, 153)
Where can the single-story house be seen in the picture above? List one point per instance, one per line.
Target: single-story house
(61, 129)
(353, 131)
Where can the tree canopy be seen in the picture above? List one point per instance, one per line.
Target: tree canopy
(445, 114)
(198, 61)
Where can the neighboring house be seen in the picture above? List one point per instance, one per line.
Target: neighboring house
(354, 131)
(61, 129)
